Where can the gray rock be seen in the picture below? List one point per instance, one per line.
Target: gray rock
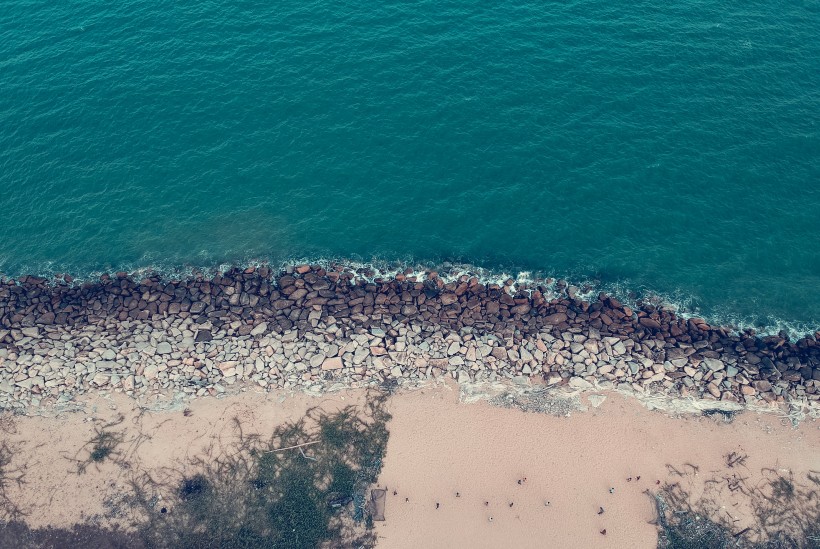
(260, 329)
(713, 364)
(151, 371)
(456, 361)
(579, 383)
(164, 348)
(101, 379)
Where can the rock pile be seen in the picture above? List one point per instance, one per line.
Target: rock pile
(311, 327)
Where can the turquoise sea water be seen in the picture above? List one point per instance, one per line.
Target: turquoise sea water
(672, 147)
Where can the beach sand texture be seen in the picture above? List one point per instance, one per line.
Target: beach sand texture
(453, 466)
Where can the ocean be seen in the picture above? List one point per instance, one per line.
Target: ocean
(669, 149)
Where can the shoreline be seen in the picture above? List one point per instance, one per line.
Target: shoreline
(311, 328)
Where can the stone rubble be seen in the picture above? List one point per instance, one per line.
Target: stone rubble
(309, 327)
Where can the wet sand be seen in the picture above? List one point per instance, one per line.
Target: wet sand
(453, 465)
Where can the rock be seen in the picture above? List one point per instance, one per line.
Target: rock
(579, 383)
(522, 309)
(650, 323)
(32, 331)
(448, 298)
(317, 360)
(456, 361)
(556, 318)
(164, 348)
(332, 363)
(128, 383)
(377, 332)
(713, 389)
(259, 329)
(150, 373)
(203, 335)
(101, 379)
(109, 354)
(747, 390)
(752, 358)
(36, 381)
(463, 377)
(713, 364)
(396, 372)
(553, 378)
(762, 386)
(197, 307)
(46, 318)
(499, 353)
(731, 371)
(6, 387)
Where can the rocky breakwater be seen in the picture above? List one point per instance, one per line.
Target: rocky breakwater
(313, 327)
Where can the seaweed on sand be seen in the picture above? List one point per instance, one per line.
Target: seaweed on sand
(10, 475)
(786, 514)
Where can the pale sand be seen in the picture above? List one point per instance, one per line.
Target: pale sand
(438, 447)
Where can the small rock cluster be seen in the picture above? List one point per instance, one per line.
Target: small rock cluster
(314, 327)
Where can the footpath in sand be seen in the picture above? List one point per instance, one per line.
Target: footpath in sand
(457, 474)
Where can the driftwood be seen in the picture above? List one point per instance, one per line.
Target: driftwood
(293, 447)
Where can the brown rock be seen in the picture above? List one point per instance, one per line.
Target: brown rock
(763, 386)
(332, 363)
(650, 323)
(556, 318)
(46, 318)
(499, 352)
(522, 309)
(448, 298)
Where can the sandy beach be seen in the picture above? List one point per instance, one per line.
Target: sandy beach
(457, 474)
